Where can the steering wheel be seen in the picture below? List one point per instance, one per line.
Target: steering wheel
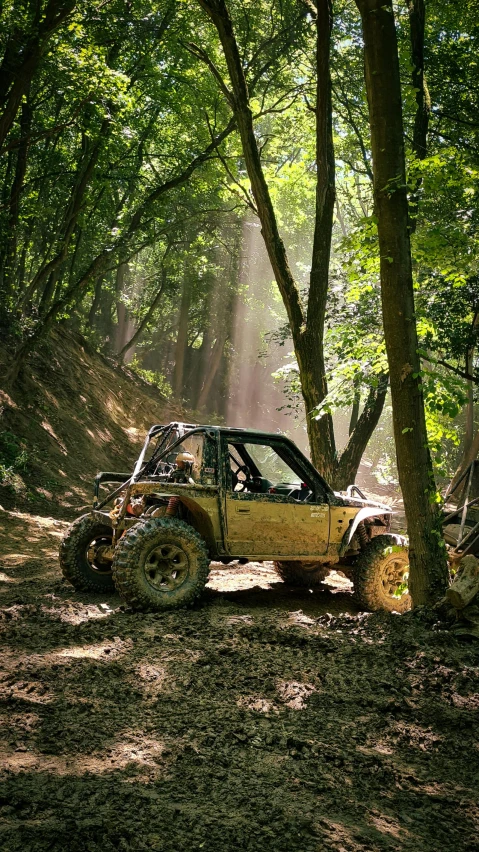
(243, 468)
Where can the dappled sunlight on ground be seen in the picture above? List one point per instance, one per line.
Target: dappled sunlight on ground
(264, 718)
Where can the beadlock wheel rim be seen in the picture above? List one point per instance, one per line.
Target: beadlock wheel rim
(166, 567)
(394, 579)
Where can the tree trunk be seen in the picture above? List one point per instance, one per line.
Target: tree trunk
(350, 459)
(307, 330)
(213, 367)
(417, 24)
(146, 319)
(428, 570)
(354, 413)
(469, 433)
(182, 337)
(95, 301)
(10, 254)
(311, 345)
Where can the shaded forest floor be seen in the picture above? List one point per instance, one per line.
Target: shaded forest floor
(263, 719)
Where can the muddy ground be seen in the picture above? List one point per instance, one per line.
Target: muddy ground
(263, 719)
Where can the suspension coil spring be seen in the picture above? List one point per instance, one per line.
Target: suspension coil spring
(172, 508)
(363, 536)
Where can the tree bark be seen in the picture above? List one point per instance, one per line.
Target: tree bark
(10, 253)
(351, 456)
(354, 413)
(182, 337)
(311, 348)
(213, 367)
(428, 570)
(417, 24)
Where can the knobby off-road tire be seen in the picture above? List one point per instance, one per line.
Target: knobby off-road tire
(81, 558)
(161, 563)
(380, 570)
(307, 575)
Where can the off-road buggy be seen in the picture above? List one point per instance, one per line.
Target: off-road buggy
(202, 493)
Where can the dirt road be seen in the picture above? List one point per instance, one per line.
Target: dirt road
(263, 719)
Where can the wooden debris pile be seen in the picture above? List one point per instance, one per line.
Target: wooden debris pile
(463, 596)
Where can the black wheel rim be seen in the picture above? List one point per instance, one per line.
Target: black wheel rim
(166, 567)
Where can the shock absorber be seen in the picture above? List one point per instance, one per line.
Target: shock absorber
(363, 536)
(172, 508)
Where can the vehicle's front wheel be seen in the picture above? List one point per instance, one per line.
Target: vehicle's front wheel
(86, 555)
(381, 575)
(307, 575)
(160, 564)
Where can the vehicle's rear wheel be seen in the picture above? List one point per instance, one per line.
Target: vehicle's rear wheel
(86, 555)
(161, 563)
(381, 575)
(304, 574)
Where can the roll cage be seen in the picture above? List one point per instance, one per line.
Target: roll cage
(169, 437)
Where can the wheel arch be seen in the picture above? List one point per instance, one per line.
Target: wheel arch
(363, 515)
(199, 519)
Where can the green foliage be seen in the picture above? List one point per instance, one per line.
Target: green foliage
(155, 379)
(14, 459)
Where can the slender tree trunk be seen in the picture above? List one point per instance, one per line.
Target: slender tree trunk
(417, 25)
(354, 413)
(350, 459)
(146, 319)
(310, 351)
(213, 367)
(10, 255)
(95, 301)
(182, 337)
(469, 433)
(428, 571)
(307, 330)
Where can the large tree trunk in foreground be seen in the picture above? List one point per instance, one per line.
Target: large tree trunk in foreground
(428, 571)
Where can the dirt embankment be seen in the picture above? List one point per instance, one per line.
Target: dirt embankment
(71, 415)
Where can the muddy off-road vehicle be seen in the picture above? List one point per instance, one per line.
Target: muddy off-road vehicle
(202, 493)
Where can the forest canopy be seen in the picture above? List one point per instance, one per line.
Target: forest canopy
(149, 151)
